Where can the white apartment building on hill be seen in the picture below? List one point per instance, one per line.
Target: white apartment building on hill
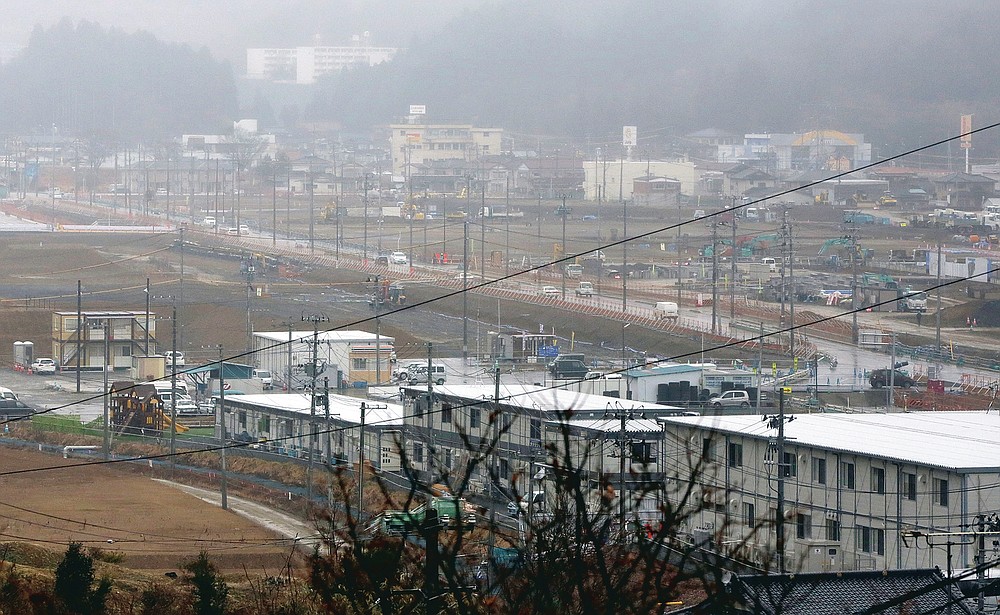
(305, 64)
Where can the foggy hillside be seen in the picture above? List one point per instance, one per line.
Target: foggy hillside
(900, 71)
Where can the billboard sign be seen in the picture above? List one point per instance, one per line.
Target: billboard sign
(629, 136)
(965, 131)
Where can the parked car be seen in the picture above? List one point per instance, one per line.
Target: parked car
(43, 365)
(398, 258)
(174, 358)
(549, 291)
(880, 378)
(232, 230)
(244, 229)
(382, 259)
(570, 365)
(209, 222)
(730, 399)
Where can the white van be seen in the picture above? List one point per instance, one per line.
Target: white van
(419, 374)
(265, 378)
(163, 386)
(665, 309)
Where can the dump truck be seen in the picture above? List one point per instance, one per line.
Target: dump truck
(453, 513)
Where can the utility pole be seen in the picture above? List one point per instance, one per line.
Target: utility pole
(146, 346)
(364, 247)
(733, 270)
(784, 291)
(791, 283)
(173, 389)
(778, 422)
(312, 213)
(506, 257)
(853, 230)
(482, 234)
(430, 406)
(361, 463)
(107, 421)
(315, 319)
(625, 251)
(492, 473)
(223, 484)
(79, 329)
(937, 316)
(465, 295)
(715, 273)
(249, 274)
(562, 265)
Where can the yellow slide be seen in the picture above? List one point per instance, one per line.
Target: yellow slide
(166, 424)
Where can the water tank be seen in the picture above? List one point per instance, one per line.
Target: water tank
(662, 393)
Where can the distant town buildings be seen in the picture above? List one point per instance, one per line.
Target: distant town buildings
(414, 144)
(305, 65)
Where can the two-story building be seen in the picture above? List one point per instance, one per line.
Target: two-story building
(343, 356)
(465, 435)
(282, 422)
(85, 338)
(856, 486)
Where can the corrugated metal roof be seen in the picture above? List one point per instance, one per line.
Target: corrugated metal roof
(324, 336)
(613, 425)
(545, 398)
(962, 441)
(343, 407)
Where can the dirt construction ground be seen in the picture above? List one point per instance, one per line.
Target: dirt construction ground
(155, 526)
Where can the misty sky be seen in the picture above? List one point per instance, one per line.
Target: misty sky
(227, 28)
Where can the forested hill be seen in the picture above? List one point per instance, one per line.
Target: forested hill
(82, 79)
(901, 71)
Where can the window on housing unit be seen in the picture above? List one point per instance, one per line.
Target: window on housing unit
(641, 452)
(749, 516)
(126, 351)
(863, 539)
(536, 429)
(832, 529)
(910, 486)
(243, 419)
(941, 491)
(445, 414)
(359, 363)
(447, 459)
(878, 540)
(819, 470)
(847, 475)
(803, 526)
(504, 468)
(706, 449)
(735, 455)
(474, 418)
(789, 465)
(878, 480)
(418, 452)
